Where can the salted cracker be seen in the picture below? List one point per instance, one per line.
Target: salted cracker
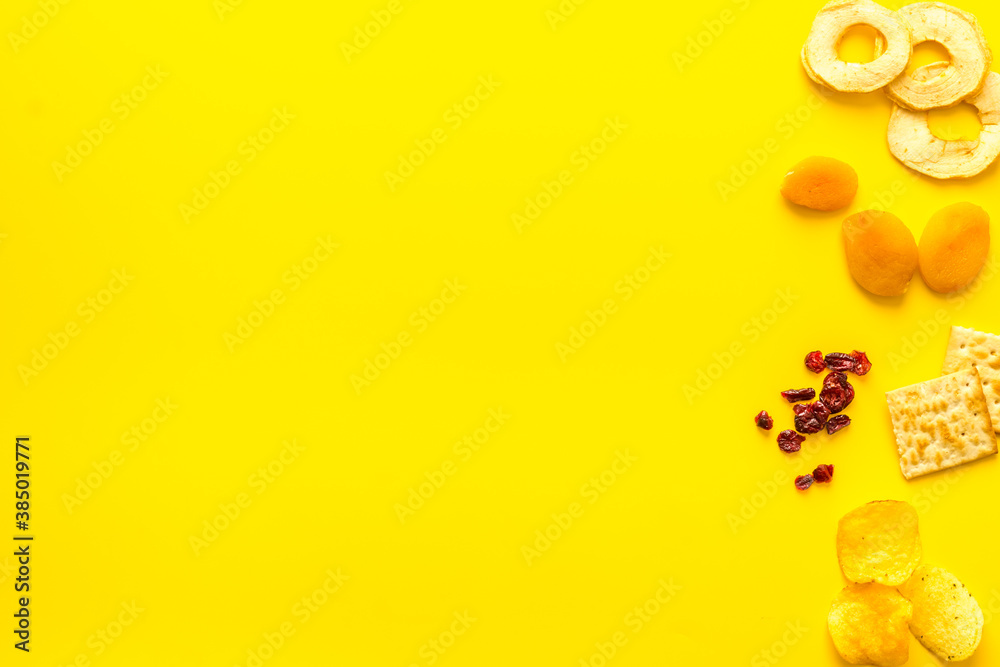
(941, 423)
(968, 348)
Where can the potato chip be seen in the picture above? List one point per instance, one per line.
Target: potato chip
(823, 64)
(868, 625)
(879, 542)
(946, 618)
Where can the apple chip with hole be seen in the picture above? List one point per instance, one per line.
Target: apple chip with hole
(823, 64)
(912, 142)
(879, 542)
(947, 83)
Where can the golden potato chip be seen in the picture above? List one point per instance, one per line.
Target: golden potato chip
(953, 81)
(912, 142)
(868, 625)
(823, 64)
(946, 618)
(879, 542)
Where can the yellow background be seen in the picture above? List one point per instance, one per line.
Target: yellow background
(699, 459)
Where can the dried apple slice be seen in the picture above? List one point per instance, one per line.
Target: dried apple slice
(963, 77)
(912, 142)
(823, 65)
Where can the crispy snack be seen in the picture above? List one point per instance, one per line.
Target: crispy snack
(974, 349)
(953, 247)
(879, 542)
(949, 83)
(868, 625)
(912, 142)
(941, 423)
(821, 183)
(823, 65)
(879, 50)
(881, 253)
(946, 618)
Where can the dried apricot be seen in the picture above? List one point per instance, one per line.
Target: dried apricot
(822, 183)
(953, 246)
(881, 252)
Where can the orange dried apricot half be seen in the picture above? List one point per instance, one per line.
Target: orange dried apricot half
(822, 183)
(881, 252)
(953, 247)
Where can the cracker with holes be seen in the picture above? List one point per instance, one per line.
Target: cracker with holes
(941, 423)
(968, 348)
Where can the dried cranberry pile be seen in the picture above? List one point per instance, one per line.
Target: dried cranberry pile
(836, 394)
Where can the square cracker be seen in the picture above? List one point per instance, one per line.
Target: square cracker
(968, 348)
(941, 423)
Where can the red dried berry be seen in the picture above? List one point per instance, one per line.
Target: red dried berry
(764, 420)
(837, 392)
(837, 423)
(861, 363)
(839, 361)
(803, 482)
(795, 395)
(810, 417)
(815, 362)
(823, 473)
(789, 441)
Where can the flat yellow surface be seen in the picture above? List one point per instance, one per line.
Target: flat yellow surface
(494, 408)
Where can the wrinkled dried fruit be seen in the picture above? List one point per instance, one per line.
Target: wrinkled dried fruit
(836, 423)
(795, 395)
(803, 482)
(823, 473)
(815, 362)
(954, 246)
(839, 361)
(837, 392)
(810, 417)
(764, 420)
(820, 183)
(789, 441)
(861, 363)
(881, 252)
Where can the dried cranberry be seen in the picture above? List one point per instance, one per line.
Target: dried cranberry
(837, 423)
(823, 473)
(835, 378)
(794, 395)
(839, 361)
(803, 482)
(862, 365)
(764, 420)
(810, 417)
(790, 441)
(837, 392)
(814, 362)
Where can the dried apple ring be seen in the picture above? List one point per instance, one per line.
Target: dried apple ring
(819, 55)
(912, 142)
(960, 34)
